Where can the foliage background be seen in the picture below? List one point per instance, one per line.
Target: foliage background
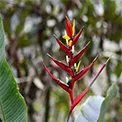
(29, 28)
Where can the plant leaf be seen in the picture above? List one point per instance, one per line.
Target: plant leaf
(12, 104)
(111, 94)
(90, 110)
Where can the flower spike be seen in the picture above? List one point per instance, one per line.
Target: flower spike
(72, 67)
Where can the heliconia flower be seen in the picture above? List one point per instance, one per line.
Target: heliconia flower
(72, 68)
(67, 38)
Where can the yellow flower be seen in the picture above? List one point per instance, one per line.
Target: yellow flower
(77, 68)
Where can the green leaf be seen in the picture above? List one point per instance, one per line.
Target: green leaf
(111, 94)
(90, 109)
(95, 107)
(12, 104)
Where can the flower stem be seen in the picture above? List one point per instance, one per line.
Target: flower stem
(68, 117)
(71, 96)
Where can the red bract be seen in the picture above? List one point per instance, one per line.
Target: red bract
(62, 65)
(71, 66)
(59, 82)
(69, 28)
(80, 53)
(63, 47)
(75, 39)
(83, 71)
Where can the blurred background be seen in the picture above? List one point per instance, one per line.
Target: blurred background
(29, 27)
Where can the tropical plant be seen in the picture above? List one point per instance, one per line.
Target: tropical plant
(72, 67)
